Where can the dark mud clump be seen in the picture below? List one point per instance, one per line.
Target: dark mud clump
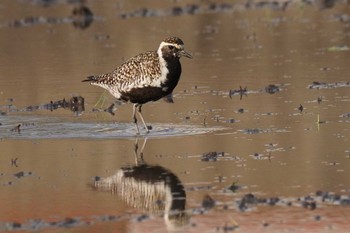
(272, 89)
(17, 128)
(76, 104)
(216, 7)
(345, 115)
(241, 92)
(324, 85)
(310, 202)
(252, 131)
(212, 156)
(14, 162)
(234, 187)
(67, 222)
(38, 224)
(16, 176)
(208, 202)
(21, 174)
(81, 18)
(301, 108)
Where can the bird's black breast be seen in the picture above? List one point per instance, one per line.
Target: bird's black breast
(143, 95)
(153, 93)
(174, 67)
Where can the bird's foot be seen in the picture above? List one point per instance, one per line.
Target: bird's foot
(149, 127)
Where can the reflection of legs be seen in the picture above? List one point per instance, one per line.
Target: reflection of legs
(134, 117)
(136, 148)
(143, 121)
(139, 156)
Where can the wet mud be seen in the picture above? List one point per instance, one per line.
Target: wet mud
(179, 219)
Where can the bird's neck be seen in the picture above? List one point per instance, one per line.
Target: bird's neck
(164, 71)
(168, 62)
(170, 69)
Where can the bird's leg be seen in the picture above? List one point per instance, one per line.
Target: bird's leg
(134, 117)
(143, 121)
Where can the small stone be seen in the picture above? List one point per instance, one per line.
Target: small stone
(208, 202)
(312, 205)
(265, 224)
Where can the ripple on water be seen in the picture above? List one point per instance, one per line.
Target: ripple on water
(24, 127)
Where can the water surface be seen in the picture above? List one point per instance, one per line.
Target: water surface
(268, 90)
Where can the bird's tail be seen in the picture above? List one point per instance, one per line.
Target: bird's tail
(91, 79)
(98, 79)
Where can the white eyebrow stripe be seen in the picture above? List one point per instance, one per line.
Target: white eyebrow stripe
(175, 45)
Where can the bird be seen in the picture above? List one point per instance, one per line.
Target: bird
(146, 77)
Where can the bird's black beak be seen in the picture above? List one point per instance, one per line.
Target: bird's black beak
(185, 54)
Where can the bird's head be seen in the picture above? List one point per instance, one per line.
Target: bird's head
(173, 47)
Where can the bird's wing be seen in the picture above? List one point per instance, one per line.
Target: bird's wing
(139, 71)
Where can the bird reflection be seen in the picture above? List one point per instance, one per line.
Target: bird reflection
(150, 188)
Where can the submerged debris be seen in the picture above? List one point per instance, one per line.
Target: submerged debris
(241, 91)
(229, 228)
(21, 174)
(252, 131)
(190, 9)
(240, 110)
(311, 205)
(81, 18)
(208, 202)
(212, 156)
(14, 162)
(301, 108)
(258, 156)
(75, 104)
(345, 115)
(39, 224)
(248, 199)
(234, 186)
(310, 202)
(272, 89)
(324, 85)
(208, 8)
(16, 128)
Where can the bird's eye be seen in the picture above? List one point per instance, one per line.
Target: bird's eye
(171, 47)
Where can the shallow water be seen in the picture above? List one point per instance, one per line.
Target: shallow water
(267, 89)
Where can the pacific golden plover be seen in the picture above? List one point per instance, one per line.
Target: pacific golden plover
(146, 77)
